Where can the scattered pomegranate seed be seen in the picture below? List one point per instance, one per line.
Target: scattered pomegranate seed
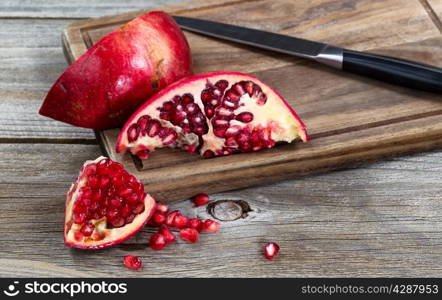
(196, 224)
(171, 218)
(189, 235)
(132, 262)
(210, 226)
(163, 208)
(271, 250)
(168, 235)
(157, 241)
(200, 199)
(157, 219)
(180, 221)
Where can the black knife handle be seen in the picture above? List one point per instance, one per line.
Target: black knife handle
(393, 70)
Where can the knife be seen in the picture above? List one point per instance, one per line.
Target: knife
(385, 68)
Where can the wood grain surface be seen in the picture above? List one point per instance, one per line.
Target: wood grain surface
(332, 104)
(380, 219)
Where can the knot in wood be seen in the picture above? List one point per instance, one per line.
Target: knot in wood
(228, 210)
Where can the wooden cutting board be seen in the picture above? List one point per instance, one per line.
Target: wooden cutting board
(350, 119)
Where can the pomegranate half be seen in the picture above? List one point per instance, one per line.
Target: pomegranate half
(214, 114)
(105, 206)
(103, 87)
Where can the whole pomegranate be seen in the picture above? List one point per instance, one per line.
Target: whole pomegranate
(103, 87)
(214, 114)
(105, 206)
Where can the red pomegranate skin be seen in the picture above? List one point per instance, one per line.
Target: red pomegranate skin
(112, 79)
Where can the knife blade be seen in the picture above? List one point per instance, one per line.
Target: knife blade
(385, 68)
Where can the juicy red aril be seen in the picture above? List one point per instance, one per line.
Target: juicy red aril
(200, 199)
(157, 219)
(180, 221)
(168, 235)
(157, 241)
(210, 226)
(189, 235)
(271, 250)
(87, 229)
(109, 192)
(132, 262)
(171, 218)
(162, 208)
(196, 224)
(244, 117)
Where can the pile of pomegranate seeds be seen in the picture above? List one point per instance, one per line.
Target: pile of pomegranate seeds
(109, 192)
(271, 250)
(189, 229)
(132, 262)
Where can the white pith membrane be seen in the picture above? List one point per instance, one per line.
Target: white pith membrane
(274, 119)
(102, 236)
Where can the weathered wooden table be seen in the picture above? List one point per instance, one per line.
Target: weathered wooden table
(382, 219)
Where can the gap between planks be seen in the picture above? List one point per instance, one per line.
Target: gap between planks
(432, 14)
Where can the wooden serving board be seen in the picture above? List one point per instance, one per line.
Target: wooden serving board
(350, 119)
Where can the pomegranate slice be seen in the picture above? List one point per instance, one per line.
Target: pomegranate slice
(105, 206)
(103, 87)
(214, 114)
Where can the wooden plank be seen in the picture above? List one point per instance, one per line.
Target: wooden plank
(332, 104)
(373, 221)
(30, 61)
(79, 9)
(74, 9)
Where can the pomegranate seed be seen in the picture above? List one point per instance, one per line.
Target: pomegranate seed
(139, 208)
(117, 222)
(87, 229)
(171, 218)
(168, 235)
(80, 218)
(132, 198)
(157, 241)
(189, 235)
(130, 218)
(196, 224)
(94, 181)
(118, 180)
(124, 192)
(104, 181)
(157, 219)
(271, 250)
(96, 195)
(210, 226)
(90, 169)
(125, 211)
(78, 236)
(143, 154)
(163, 208)
(132, 262)
(245, 117)
(200, 199)
(116, 202)
(180, 221)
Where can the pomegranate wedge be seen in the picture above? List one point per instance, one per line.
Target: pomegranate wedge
(103, 87)
(105, 206)
(214, 114)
